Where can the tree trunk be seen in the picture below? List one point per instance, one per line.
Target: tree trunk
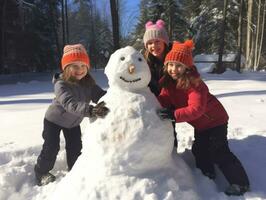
(2, 33)
(63, 22)
(220, 67)
(115, 23)
(66, 19)
(93, 36)
(262, 32)
(258, 25)
(249, 32)
(51, 10)
(240, 36)
(171, 20)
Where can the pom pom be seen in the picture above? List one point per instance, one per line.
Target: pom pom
(189, 43)
(160, 23)
(176, 45)
(148, 24)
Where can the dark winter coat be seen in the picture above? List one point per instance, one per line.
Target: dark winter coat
(156, 68)
(196, 106)
(71, 102)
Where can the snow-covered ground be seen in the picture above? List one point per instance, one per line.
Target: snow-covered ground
(22, 107)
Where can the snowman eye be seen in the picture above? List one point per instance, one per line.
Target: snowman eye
(140, 59)
(122, 58)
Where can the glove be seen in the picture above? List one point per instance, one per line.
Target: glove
(166, 113)
(97, 111)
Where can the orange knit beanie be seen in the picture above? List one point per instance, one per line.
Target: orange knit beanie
(181, 52)
(74, 53)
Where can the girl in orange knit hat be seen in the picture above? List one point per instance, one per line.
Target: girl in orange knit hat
(186, 98)
(74, 90)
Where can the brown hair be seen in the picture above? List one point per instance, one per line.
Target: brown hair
(188, 79)
(86, 80)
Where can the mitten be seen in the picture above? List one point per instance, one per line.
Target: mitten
(96, 111)
(166, 113)
(100, 110)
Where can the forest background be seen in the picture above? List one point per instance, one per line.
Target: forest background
(33, 32)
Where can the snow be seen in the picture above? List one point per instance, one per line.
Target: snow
(230, 57)
(22, 107)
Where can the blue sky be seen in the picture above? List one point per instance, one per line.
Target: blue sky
(130, 15)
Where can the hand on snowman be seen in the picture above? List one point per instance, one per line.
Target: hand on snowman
(166, 113)
(100, 110)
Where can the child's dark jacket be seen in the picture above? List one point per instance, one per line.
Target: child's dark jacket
(196, 106)
(71, 102)
(156, 68)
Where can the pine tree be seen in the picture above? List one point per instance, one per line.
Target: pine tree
(39, 37)
(152, 10)
(205, 19)
(92, 30)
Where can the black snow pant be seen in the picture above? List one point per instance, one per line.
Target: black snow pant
(175, 139)
(51, 146)
(211, 147)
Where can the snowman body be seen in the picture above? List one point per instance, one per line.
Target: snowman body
(128, 154)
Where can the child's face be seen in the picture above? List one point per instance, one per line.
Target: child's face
(175, 69)
(78, 70)
(156, 47)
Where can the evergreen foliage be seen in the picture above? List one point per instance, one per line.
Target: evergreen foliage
(40, 37)
(31, 47)
(32, 41)
(169, 11)
(88, 27)
(186, 19)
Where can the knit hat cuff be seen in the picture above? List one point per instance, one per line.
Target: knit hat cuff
(181, 52)
(153, 34)
(179, 57)
(72, 58)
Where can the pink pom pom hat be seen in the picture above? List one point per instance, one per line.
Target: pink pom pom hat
(155, 31)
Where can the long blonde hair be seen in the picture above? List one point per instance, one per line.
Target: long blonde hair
(86, 80)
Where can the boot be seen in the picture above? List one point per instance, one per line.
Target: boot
(236, 190)
(43, 179)
(210, 175)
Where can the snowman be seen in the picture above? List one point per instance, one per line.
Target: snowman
(128, 154)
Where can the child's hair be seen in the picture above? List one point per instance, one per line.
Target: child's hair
(190, 78)
(86, 80)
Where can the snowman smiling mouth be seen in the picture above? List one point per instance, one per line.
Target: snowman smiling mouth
(130, 81)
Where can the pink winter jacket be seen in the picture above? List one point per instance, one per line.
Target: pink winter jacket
(196, 106)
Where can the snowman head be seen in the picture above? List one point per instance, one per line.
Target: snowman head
(128, 70)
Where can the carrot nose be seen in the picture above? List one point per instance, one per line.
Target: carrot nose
(131, 69)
